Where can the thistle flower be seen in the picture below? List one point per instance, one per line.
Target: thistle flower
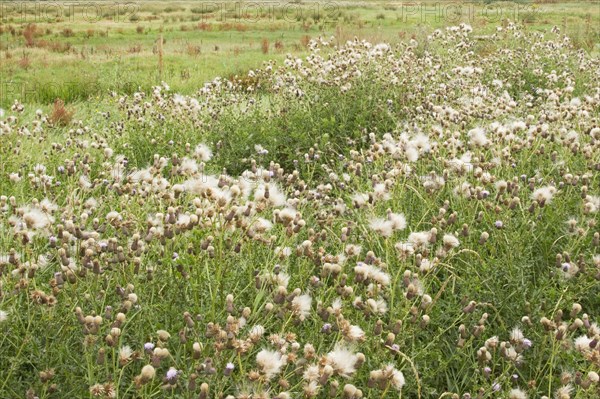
(311, 389)
(301, 305)
(564, 392)
(382, 226)
(398, 220)
(544, 195)
(311, 373)
(450, 241)
(147, 374)
(378, 306)
(370, 272)
(354, 333)
(203, 152)
(270, 362)
(37, 219)
(582, 343)
(419, 239)
(516, 336)
(171, 374)
(517, 394)
(359, 200)
(125, 354)
(256, 333)
(97, 390)
(229, 367)
(163, 335)
(478, 137)
(343, 360)
(352, 250)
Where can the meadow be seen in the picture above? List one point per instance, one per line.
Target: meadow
(379, 206)
(75, 52)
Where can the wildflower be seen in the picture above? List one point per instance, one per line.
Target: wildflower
(582, 343)
(270, 362)
(398, 220)
(311, 389)
(84, 182)
(543, 195)
(163, 335)
(311, 373)
(353, 250)
(256, 332)
(147, 374)
(37, 219)
(354, 333)
(419, 239)
(564, 392)
(262, 225)
(229, 367)
(171, 374)
(378, 306)
(350, 391)
(97, 390)
(360, 200)
(478, 137)
(388, 375)
(188, 167)
(301, 305)
(3, 316)
(203, 152)
(382, 226)
(39, 169)
(450, 241)
(125, 354)
(109, 391)
(260, 150)
(343, 360)
(517, 394)
(271, 194)
(516, 336)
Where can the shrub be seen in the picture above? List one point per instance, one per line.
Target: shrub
(29, 35)
(60, 115)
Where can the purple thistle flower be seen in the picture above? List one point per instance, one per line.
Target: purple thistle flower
(171, 373)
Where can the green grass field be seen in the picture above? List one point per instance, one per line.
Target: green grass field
(363, 201)
(76, 52)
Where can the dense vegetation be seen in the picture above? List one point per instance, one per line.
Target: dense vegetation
(367, 221)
